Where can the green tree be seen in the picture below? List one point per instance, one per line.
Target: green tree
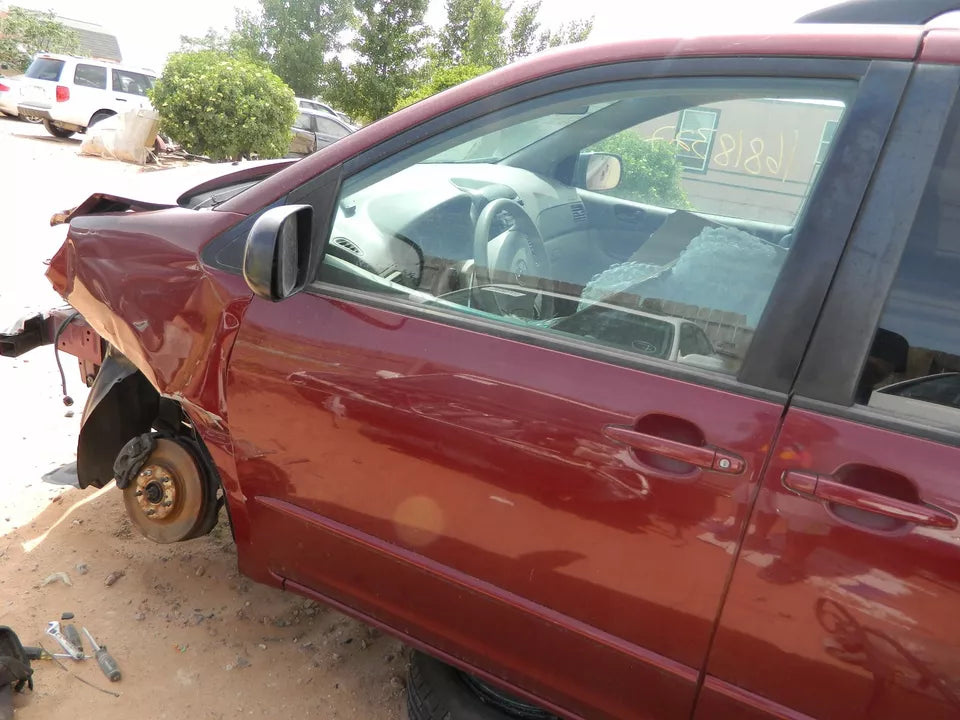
(389, 49)
(567, 33)
(453, 36)
(523, 32)
(24, 33)
(225, 107)
(651, 171)
(485, 35)
(484, 32)
(297, 36)
(441, 79)
(211, 40)
(294, 38)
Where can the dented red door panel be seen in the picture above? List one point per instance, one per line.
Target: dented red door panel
(845, 612)
(461, 488)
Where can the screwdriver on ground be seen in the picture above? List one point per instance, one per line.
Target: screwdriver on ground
(104, 659)
(71, 634)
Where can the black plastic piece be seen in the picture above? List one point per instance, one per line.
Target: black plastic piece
(29, 333)
(132, 457)
(882, 12)
(121, 404)
(276, 261)
(15, 669)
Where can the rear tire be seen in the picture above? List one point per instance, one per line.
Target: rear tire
(437, 691)
(100, 116)
(56, 131)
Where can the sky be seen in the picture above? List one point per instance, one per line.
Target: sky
(147, 36)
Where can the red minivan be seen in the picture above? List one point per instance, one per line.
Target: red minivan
(620, 382)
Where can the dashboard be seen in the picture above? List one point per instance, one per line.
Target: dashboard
(413, 226)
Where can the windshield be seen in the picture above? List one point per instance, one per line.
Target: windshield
(504, 142)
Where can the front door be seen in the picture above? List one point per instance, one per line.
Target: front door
(845, 596)
(480, 429)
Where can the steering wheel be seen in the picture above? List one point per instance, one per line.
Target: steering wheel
(516, 257)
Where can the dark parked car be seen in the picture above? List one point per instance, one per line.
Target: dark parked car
(426, 372)
(314, 130)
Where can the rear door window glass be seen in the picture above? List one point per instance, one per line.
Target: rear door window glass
(91, 76)
(303, 122)
(331, 129)
(132, 83)
(45, 69)
(913, 369)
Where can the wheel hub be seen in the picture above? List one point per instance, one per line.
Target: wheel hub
(171, 498)
(156, 491)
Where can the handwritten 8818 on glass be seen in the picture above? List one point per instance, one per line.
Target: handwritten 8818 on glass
(732, 151)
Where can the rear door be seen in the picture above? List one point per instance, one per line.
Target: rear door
(129, 89)
(545, 494)
(846, 591)
(88, 91)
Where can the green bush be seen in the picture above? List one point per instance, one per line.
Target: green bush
(224, 107)
(651, 172)
(442, 78)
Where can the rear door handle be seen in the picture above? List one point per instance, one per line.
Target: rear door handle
(824, 487)
(121, 99)
(707, 458)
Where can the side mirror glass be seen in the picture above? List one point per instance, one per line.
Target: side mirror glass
(276, 259)
(598, 171)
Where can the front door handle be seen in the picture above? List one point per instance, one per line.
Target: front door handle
(826, 488)
(701, 456)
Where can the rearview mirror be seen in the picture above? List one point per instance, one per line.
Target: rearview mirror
(598, 171)
(276, 259)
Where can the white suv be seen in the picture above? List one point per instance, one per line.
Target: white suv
(72, 93)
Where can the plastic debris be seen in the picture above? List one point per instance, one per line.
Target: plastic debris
(57, 576)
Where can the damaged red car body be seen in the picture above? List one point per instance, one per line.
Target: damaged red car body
(606, 528)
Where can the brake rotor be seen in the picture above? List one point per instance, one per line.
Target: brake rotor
(168, 498)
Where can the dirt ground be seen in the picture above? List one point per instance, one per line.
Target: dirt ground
(193, 638)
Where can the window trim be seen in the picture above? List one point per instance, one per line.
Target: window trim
(705, 161)
(852, 311)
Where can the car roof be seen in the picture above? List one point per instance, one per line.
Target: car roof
(320, 113)
(96, 61)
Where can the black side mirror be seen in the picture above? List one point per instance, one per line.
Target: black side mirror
(276, 259)
(598, 171)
